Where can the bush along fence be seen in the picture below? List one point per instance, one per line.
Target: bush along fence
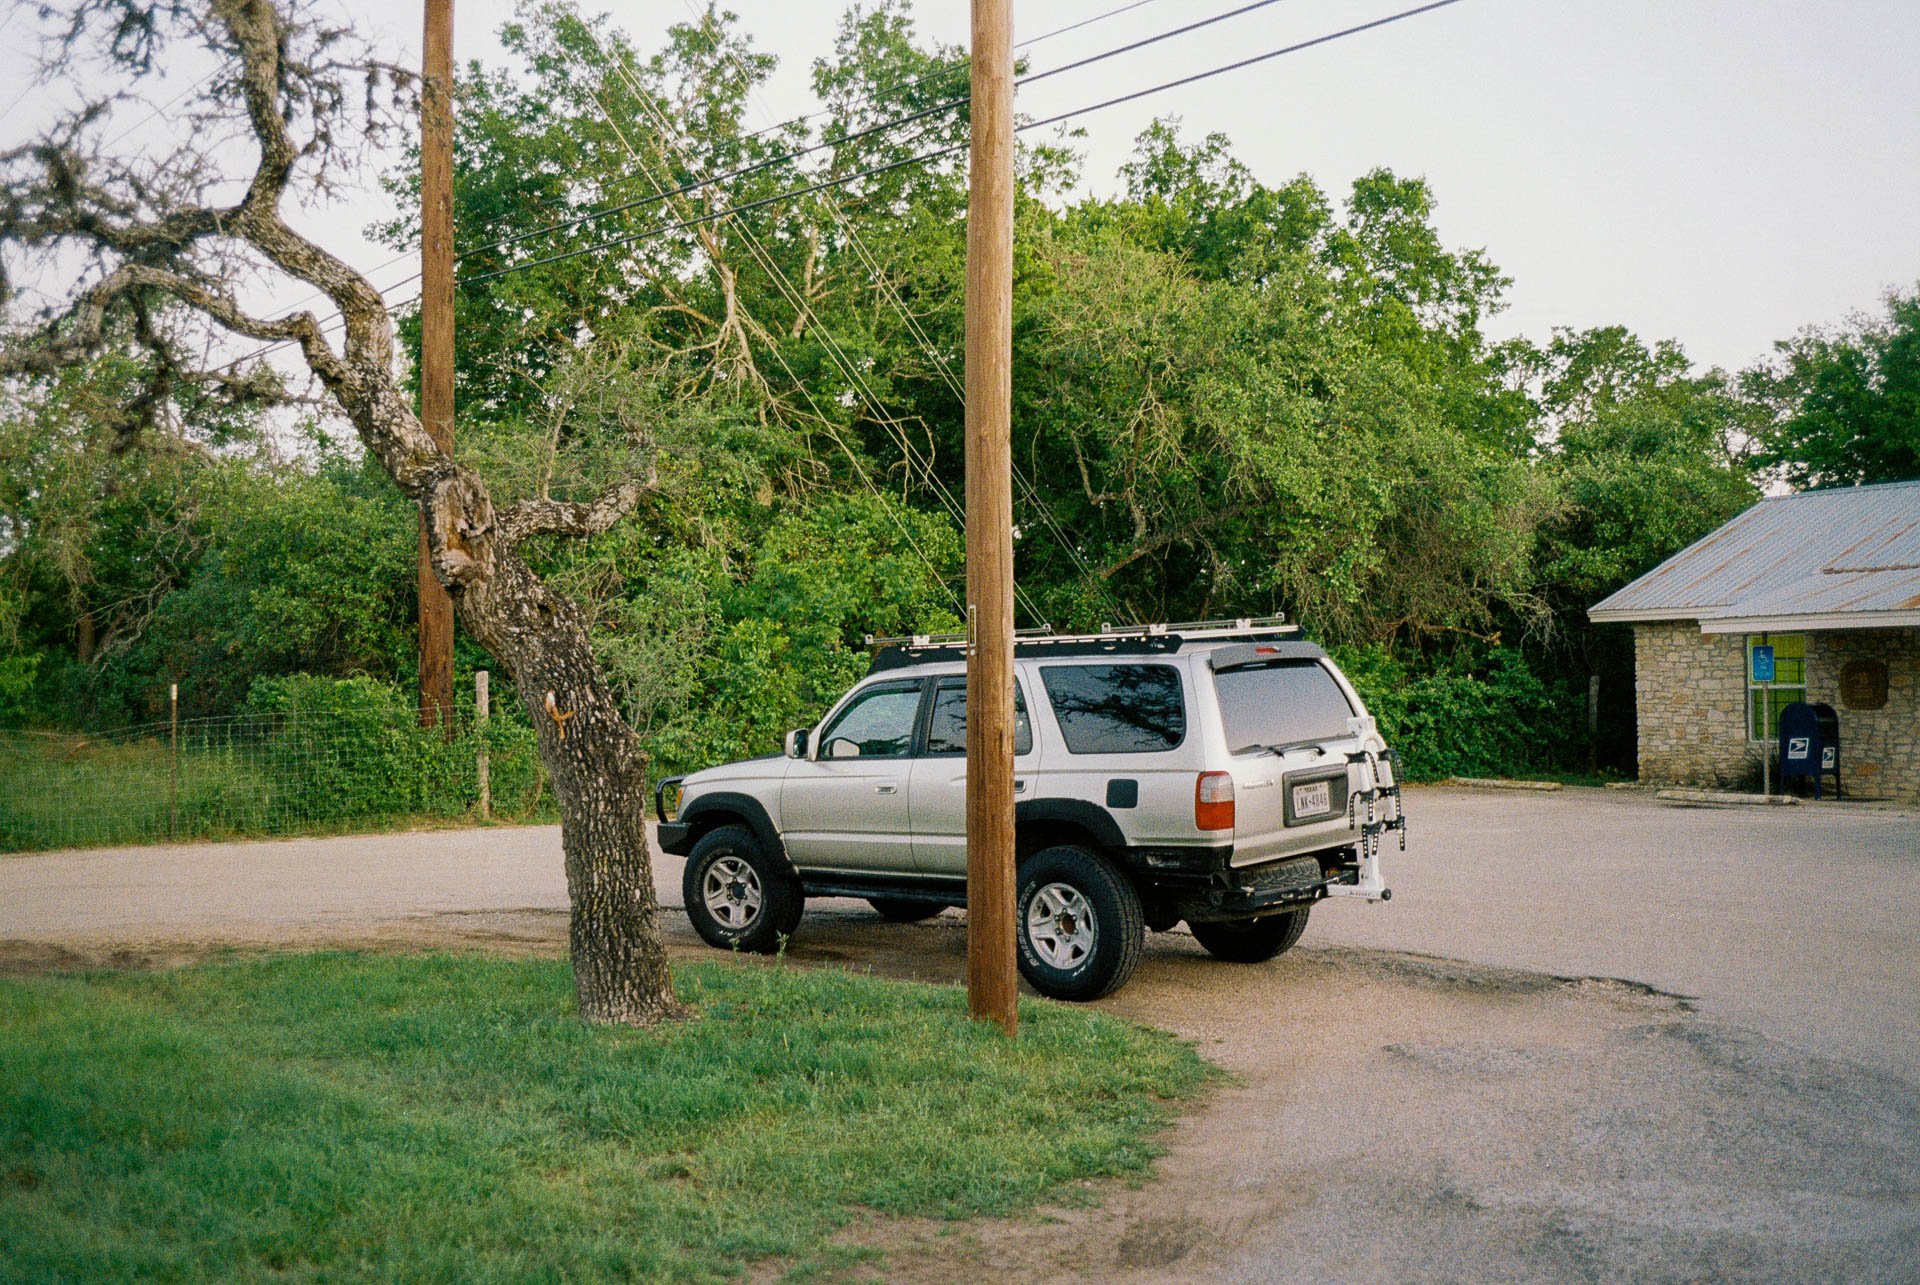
(308, 755)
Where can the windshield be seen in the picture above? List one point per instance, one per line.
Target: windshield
(1280, 704)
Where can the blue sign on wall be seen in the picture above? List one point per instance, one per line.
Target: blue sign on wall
(1762, 663)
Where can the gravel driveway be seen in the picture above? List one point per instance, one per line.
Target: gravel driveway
(1495, 1076)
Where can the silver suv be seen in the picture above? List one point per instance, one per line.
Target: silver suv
(1224, 774)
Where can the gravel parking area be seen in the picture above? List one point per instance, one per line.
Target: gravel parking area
(1592, 1037)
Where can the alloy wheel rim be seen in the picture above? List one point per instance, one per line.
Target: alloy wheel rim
(1061, 926)
(731, 892)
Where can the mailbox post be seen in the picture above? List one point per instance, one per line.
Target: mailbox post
(1763, 675)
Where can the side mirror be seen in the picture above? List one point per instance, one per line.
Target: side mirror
(797, 744)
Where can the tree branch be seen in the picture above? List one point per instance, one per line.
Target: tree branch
(575, 518)
(1174, 536)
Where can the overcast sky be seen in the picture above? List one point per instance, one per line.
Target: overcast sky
(1714, 172)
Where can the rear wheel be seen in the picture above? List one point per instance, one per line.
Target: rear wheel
(1251, 941)
(1078, 924)
(905, 910)
(739, 897)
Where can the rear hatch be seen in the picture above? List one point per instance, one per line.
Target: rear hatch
(1288, 725)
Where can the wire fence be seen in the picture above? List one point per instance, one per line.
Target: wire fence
(262, 774)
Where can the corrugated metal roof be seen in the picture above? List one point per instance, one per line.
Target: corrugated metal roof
(1845, 551)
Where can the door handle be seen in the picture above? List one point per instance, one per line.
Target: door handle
(886, 787)
(1019, 785)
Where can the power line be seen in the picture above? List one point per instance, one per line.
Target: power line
(162, 107)
(694, 186)
(939, 153)
(940, 72)
(867, 132)
(839, 356)
(1244, 62)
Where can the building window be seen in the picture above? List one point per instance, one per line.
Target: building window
(1789, 683)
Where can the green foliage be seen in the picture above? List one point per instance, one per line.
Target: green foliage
(311, 754)
(352, 1118)
(1230, 398)
(78, 791)
(1846, 405)
(347, 746)
(1470, 713)
(1647, 458)
(17, 678)
(788, 639)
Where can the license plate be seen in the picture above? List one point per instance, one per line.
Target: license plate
(1314, 797)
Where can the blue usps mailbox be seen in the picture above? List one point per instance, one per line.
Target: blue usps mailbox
(1810, 744)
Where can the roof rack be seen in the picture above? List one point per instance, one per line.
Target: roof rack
(1239, 627)
(911, 649)
(1190, 630)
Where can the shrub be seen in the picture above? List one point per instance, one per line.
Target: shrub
(1468, 714)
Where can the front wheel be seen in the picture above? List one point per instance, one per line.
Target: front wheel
(1251, 941)
(737, 896)
(1079, 924)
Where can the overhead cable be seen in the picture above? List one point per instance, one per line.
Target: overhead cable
(939, 153)
(840, 140)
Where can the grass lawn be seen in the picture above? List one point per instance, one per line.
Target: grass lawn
(355, 1117)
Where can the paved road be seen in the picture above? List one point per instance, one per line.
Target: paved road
(1395, 1116)
(1801, 923)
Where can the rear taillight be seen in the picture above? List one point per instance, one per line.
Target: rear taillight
(1213, 801)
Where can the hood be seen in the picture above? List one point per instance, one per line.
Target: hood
(754, 769)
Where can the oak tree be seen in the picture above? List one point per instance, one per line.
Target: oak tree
(164, 250)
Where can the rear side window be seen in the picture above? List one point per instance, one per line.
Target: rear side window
(1117, 709)
(948, 731)
(1279, 704)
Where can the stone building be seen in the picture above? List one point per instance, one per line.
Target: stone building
(1829, 583)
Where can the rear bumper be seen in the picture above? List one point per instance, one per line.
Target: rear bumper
(1259, 890)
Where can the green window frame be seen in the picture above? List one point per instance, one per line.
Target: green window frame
(1789, 683)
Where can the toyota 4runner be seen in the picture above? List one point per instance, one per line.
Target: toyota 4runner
(1225, 774)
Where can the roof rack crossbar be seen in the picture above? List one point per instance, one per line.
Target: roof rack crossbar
(949, 640)
(1202, 628)
(1192, 630)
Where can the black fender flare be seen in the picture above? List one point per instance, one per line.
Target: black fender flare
(1091, 817)
(718, 809)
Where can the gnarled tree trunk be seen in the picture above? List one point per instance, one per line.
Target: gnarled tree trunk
(598, 772)
(163, 247)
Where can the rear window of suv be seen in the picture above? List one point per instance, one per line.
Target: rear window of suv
(1117, 709)
(1280, 704)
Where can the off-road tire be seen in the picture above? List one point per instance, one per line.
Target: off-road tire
(1098, 950)
(905, 910)
(1251, 941)
(743, 872)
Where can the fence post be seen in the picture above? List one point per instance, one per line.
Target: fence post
(483, 769)
(173, 776)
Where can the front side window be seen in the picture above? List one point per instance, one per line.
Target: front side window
(1117, 709)
(1766, 700)
(947, 733)
(878, 723)
(1280, 704)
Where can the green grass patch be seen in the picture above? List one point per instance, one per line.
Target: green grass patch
(74, 791)
(345, 1117)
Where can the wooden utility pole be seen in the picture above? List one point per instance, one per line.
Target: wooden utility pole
(436, 339)
(991, 978)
